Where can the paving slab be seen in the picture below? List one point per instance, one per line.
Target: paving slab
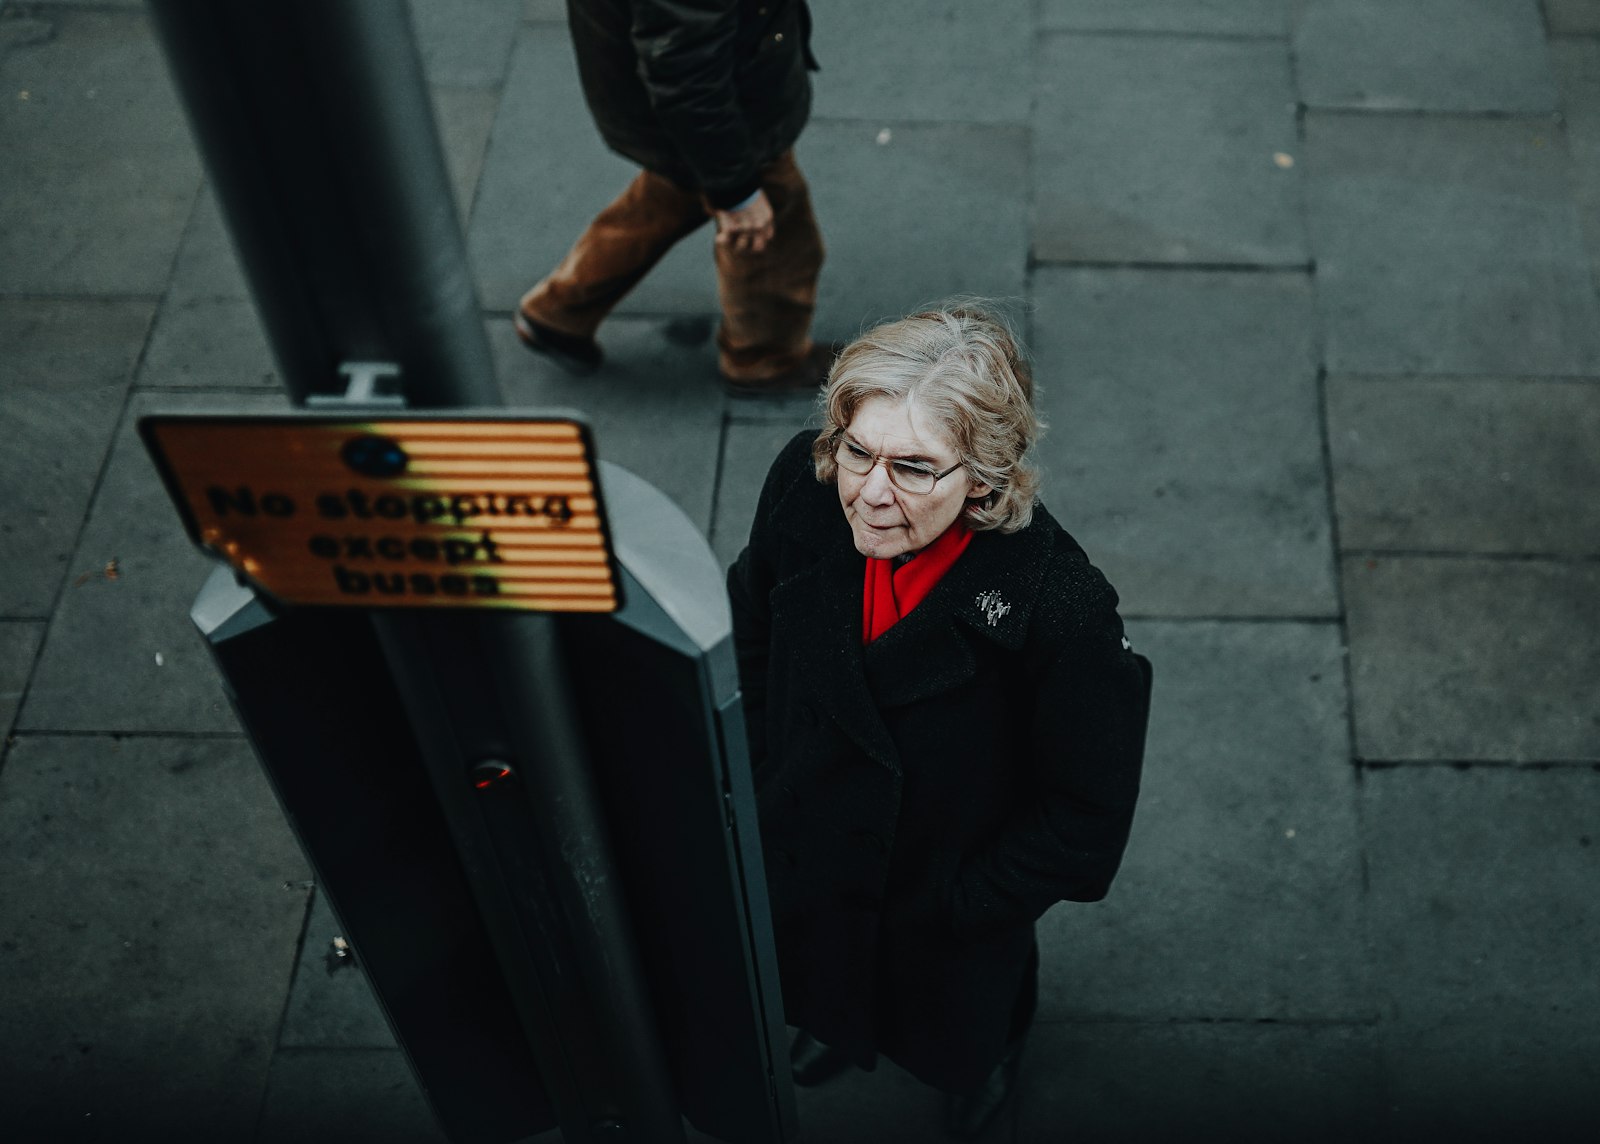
(331, 1005)
(209, 343)
(1179, 167)
(545, 11)
(1239, 896)
(19, 643)
(1483, 1082)
(748, 450)
(787, 408)
(1246, 1081)
(915, 60)
(1448, 245)
(1577, 68)
(122, 654)
(1184, 451)
(1206, 17)
(465, 43)
(1424, 55)
(147, 937)
(464, 118)
(655, 406)
(206, 266)
(1458, 659)
(928, 211)
(100, 172)
(64, 374)
(1573, 17)
(1466, 464)
(547, 174)
(1481, 891)
(356, 1096)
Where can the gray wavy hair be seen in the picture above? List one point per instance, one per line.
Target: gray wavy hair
(959, 364)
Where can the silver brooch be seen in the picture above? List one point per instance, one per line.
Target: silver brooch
(992, 606)
(1127, 645)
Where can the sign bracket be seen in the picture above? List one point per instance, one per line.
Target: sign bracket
(363, 388)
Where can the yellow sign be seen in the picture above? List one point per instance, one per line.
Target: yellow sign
(394, 512)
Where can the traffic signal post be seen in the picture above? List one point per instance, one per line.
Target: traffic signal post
(489, 677)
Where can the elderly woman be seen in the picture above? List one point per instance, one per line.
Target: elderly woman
(946, 721)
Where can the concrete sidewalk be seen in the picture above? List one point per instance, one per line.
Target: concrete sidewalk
(1311, 286)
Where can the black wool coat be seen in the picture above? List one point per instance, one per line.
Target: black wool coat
(703, 92)
(923, 799)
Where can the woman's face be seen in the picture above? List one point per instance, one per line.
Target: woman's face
(885, 520)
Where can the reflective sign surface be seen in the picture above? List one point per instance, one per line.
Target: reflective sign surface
(395, 512)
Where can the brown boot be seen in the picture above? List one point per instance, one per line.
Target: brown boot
(807, 377)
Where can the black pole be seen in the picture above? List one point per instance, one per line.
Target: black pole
(314, 120)
(318, 135)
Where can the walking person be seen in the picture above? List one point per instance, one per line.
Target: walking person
(708, 96)
(946, 720)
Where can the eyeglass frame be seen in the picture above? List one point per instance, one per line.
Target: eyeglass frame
(841, 437)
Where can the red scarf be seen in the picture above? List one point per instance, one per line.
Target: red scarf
(890, 593)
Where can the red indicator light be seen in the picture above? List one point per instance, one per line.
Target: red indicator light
(487, 774)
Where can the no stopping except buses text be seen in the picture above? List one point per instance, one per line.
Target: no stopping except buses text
(423, 508)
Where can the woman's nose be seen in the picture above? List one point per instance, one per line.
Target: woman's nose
(877, 487)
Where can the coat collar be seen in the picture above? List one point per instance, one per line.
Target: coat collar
(987, 595)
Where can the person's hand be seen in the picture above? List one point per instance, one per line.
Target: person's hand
(747, 230)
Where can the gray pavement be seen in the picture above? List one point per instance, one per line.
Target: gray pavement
(1311, 285)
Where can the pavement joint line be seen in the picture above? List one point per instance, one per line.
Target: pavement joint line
(1478, 764)
(907, 124)
(1469, 378)
(716, 481)
(498, 314)
(1552, 116)
(288, 996)
(231, 390)
(1157, 618)
(68, 6)
(1449, 554)
(1168, 34)
(118, 736)
(97, 297)
(1308, 269)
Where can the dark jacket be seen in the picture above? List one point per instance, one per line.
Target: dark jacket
(925, 798)
(703, 92)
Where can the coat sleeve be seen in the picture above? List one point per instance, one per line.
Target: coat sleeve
(1065, 839)
(688, 52)
(750, 582)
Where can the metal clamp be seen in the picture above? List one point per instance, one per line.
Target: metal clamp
(362, 388)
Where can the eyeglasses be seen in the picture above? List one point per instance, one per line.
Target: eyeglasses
(908, 476)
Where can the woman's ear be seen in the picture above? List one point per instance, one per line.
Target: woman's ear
(977, 490)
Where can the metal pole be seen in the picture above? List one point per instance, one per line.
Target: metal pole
(319, 139)
(314, 120)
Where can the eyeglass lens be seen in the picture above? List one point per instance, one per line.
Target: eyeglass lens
(908, 476)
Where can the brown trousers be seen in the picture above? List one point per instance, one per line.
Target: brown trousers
(767, 298)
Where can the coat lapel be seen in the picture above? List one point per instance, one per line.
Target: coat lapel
(988, 594)
(820, 608)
